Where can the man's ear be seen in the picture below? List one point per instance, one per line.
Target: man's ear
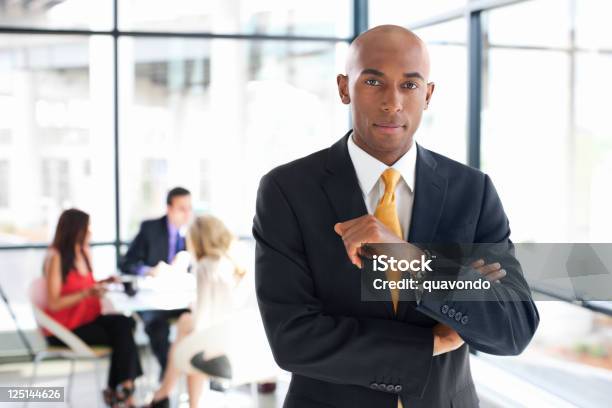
(342, 81)
(430, 88)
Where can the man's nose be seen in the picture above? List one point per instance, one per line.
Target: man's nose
(392, 101)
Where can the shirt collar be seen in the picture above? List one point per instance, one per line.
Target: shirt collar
(369, 169)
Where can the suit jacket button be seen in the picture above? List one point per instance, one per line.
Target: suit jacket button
(390, 388)
(458, 316)
(451, 312)
(464, 319)
(444, 309)
(374, 386)
(382, 387)
(398, 388)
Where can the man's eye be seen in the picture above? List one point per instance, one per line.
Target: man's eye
(410, 85)
(373, 82)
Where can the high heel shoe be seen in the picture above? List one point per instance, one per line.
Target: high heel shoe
(162, 403)
(109, 397)
(122, 395)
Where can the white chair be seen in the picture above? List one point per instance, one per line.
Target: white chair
(240, 338)
(75, 349)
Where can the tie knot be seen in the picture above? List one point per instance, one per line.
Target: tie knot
(390, 177)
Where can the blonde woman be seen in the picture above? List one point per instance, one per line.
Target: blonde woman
(218, 279)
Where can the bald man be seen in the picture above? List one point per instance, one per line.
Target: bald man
(377, 185)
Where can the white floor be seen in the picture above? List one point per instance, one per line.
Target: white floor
(85, 393)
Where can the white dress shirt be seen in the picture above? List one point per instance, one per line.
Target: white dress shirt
(369, 169)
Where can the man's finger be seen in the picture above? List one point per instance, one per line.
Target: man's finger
(342, 227)
(478, 263)
(338, 228)
(497, 275)
(489, 268)
(353, 254)
(353, 249)
(353, 233)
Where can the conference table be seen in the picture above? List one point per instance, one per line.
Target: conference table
(167, 291)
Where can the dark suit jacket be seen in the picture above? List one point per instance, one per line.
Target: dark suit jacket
(148, 247)
(347, 353)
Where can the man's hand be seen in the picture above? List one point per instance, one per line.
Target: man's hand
(492, 272)
(366, 229)
(161, 267)
(445, 339)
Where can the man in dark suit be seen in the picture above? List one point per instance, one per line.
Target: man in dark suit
(154, 248)
(375, 185)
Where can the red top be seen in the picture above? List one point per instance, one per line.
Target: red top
(82, 312)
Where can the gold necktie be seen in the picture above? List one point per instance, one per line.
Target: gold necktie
(386, 212)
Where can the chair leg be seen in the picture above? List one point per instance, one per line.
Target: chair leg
(37, 359)
(97, 381)
(70, 381)
(40, 356)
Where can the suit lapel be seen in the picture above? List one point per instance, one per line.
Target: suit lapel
(343, 191)
(430, 192)
(341, 185)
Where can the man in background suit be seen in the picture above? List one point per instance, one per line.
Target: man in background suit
(154, 248)
(376, 185)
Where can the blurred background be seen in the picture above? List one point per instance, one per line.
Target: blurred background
(105, 105)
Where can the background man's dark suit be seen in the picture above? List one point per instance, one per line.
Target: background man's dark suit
(149, 247)
(347, 353)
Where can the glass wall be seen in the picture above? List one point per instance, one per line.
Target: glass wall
(181, 123)
(281, 17)
(211, 95)
(54, 14)
(547, 144)
(407, 13)
(56, 135)
(555, 86)
(444, 127)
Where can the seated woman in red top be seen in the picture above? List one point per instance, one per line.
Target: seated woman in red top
(74, 302)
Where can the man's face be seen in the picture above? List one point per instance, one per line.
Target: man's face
(387, 89)
(179, 211)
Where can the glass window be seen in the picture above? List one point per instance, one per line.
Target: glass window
(558, 119)
(443, 127)
(4, 183)
(404, 13)
(65, 14)
(57, 145)
(215, 115)
(530, 16)
(281, 17)
(525, 143)
(592, 25)
(547, 144)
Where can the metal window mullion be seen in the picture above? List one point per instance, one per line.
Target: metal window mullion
(360, 17)
(115, 33)
(475, 53)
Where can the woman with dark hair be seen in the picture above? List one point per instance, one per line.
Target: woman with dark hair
(74, 301)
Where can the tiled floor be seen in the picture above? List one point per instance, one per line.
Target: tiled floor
(86, 394)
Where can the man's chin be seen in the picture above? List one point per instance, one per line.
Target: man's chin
(390, 141)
